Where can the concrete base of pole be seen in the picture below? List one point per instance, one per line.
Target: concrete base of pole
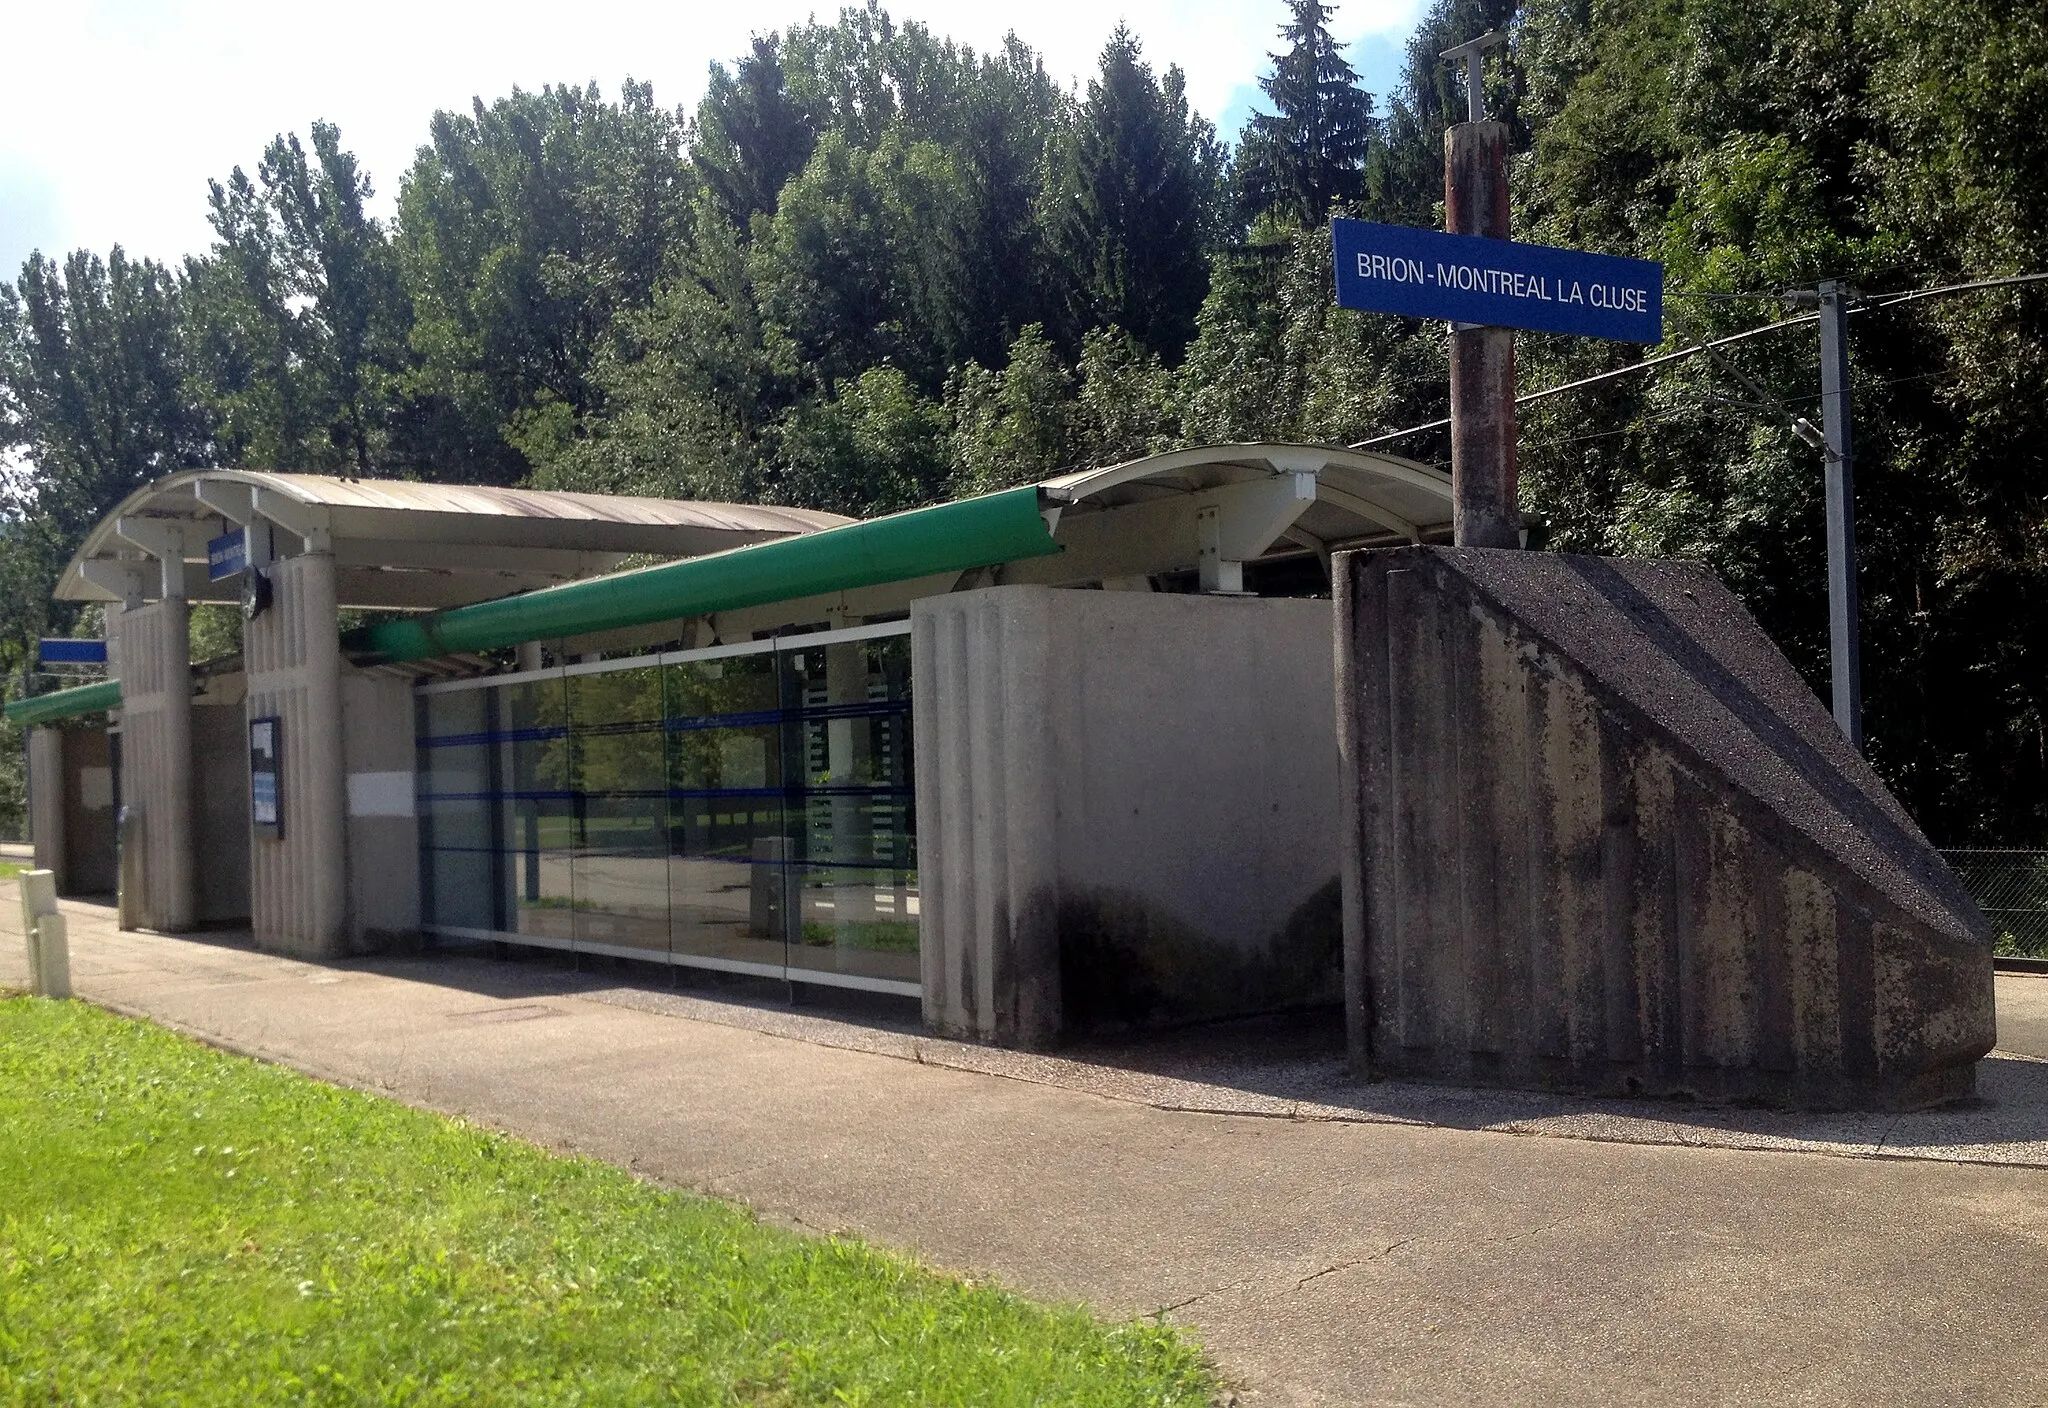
(1484, 475)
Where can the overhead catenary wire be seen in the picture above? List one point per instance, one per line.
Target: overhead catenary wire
(1681, 354)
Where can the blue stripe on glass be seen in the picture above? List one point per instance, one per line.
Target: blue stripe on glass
(756, 718)
(674, 793)
(733, 858)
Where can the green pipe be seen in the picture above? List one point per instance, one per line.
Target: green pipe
(65, 703)
(978, 532)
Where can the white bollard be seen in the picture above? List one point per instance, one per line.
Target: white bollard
(49, 940)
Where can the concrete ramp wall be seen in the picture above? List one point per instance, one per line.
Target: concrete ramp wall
(1601, 836)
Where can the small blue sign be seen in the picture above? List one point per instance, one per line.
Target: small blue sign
(1497, 283)
(64, 651)
(227, 554)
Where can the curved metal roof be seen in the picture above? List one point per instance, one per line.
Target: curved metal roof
(1360, 495)
(403, 544)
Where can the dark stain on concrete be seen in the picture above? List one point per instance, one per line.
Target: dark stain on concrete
(1127, 964)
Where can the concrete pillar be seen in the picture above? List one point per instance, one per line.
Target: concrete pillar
(46, 800)
(988, 855)
(298, 880)
(155, 669)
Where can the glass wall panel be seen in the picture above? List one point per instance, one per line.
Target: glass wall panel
(846, 745)
(729, 848)
(620, 875)
(747, 808)
(537, 810)
(458, 844)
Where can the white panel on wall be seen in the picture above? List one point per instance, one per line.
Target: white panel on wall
(95, 788)
(380, 794)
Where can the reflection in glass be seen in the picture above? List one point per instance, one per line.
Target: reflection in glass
(852, 825)
(753, 810)
(537, 808)
(620, 874)
(458, 841)
(725, 786)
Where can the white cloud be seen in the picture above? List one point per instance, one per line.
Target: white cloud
(115, 113)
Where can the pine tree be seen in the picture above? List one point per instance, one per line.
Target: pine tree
(1311, 150)
(1128, 214)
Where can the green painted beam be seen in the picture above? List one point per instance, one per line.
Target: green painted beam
(66, 703)
(955, 537)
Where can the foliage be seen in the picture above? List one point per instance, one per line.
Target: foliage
(190, 1226)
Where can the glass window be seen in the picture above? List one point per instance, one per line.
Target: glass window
(752, 810)
(537, 810)
(456, 794)
(847, 749)
(620, 873)
(728, 871)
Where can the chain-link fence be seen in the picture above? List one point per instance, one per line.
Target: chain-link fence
(2011, 887)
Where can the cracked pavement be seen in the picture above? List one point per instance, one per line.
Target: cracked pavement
(1420, 1252)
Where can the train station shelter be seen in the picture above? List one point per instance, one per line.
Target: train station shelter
(1057, 757)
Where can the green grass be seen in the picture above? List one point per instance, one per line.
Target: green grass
(184, 1226)
(876, 935)
(11, 868)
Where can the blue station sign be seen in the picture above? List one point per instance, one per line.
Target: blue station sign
(227, 554)
(54, 650)
(1497, 283)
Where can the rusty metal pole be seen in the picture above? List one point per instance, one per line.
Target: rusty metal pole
(1483, 471)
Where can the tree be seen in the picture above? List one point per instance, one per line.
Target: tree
(93, 400)
(525, 230)
(1310, 151)
(876, 447)
(1130, 206)
(297, 320)
(688, 386)
(751, 135)
(1014, 426)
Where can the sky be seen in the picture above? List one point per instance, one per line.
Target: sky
(115, 113)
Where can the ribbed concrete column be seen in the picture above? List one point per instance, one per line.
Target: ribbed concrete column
(46, 800)
(155, 669)
(298, 880)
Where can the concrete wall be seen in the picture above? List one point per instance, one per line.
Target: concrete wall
(220, 807)
(152, 655)
(1127, 808)
(383, 832)
(298, 880)
(1601, 836)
